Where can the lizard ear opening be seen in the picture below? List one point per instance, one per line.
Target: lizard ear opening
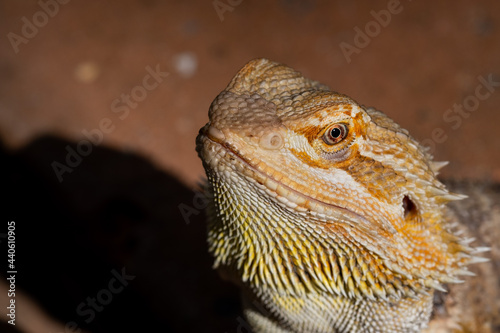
(410, 209)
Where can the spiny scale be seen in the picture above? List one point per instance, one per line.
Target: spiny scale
(327, 213)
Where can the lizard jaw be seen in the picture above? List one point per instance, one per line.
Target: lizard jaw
(285, 194)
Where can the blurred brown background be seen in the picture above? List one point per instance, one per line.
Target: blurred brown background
(67, 67)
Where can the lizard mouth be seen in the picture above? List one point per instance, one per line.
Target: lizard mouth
(285, 194)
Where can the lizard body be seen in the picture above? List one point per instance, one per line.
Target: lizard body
(328, 214)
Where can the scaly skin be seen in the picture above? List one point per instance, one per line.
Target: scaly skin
(327, 214)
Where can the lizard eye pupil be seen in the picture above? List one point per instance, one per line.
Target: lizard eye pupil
(335, 134)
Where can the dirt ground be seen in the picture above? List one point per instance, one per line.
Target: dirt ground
(137, 77)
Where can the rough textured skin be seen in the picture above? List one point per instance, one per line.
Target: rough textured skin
(327, 214)
(474, 306)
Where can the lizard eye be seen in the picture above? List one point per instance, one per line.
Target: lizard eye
(335, 134)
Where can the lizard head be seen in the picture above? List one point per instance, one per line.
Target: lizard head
(342, 194)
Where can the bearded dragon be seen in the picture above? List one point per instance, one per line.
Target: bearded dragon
(327, 213)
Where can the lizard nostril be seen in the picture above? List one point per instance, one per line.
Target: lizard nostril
(271, 141)
(409, 206)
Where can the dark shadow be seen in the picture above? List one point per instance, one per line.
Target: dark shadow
(114, 214)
